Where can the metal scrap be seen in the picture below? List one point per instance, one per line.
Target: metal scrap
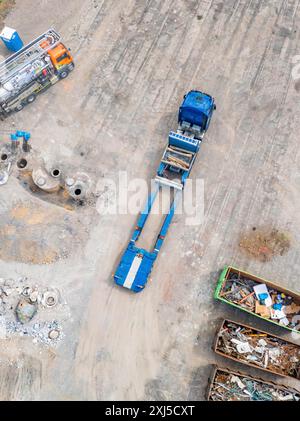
(250, 346)
(231, 386)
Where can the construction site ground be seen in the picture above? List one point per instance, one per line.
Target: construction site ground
(135, 59)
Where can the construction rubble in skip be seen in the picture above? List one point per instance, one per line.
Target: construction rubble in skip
(252, 347)
(232, 386)
(260, 349)
(262, 300)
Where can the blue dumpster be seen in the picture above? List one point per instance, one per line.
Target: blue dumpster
(11, 39)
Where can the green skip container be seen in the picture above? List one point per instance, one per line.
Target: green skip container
(233, 280)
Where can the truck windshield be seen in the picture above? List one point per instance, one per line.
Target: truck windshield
(62, 57)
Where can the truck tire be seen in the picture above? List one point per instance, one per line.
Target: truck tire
(19, 108)
(64, 74)
(31, 99)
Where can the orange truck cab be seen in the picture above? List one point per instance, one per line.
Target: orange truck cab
(61, 58)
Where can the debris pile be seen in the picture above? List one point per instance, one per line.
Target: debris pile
(260, 349)
(47, 333)
(262, 300)
(23, 311)
(230, 386)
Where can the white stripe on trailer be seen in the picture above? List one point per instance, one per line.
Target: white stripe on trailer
(132, 272)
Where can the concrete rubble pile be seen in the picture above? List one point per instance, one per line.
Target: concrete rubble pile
(237, 387)
(265, 302)
(24, 311)
(265, 351)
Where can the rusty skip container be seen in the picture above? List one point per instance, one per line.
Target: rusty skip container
(288, 300)
(229, 385)
(269, 352)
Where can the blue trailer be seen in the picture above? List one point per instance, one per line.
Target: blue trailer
(176, 164)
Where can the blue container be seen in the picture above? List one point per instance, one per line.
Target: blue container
(11, 39)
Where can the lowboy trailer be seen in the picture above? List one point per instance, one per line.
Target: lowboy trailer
(175, 167)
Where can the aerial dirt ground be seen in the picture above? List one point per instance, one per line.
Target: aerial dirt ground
(135, 59)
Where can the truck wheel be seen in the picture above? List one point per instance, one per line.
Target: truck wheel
(31, 98)
(71, 67)
(19, 107)
(64, 74)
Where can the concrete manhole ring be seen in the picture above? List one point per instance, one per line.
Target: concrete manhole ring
(50, 298)
(54, 334)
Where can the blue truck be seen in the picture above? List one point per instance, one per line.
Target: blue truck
(194, 118)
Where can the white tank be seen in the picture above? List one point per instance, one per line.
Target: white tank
(27, 75)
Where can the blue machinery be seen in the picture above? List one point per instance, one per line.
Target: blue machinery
(19, 134)
(14, 137)
(176, 164)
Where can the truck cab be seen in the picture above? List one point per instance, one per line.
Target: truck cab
(61, 59)
(195, 112)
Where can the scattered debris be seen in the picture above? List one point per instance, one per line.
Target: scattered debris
(264, 244)
(24, 308)
(39, 331)
(259, 349)
(263, 299)
(227, 385)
